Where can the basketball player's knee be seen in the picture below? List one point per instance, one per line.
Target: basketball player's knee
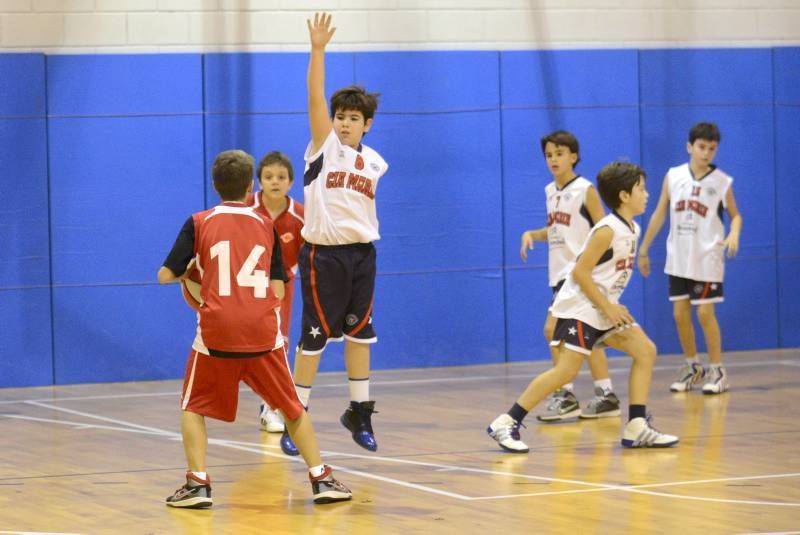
(647, 353)
(568, 366)
(705, 314)
(682, 314)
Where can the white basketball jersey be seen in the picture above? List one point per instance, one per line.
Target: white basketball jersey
(610, 275)
(340, 185)
(568, 224)
(696, 228)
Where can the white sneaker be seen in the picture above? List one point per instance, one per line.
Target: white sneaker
(271, 420)
(688, 376)
(717, 381)
(505, 430)
(640, 434)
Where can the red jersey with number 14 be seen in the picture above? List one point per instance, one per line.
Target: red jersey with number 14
(233, 246)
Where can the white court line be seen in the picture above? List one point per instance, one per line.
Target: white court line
(614, 370)
(79, 425)
(257, 448)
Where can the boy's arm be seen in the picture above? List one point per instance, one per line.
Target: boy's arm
(599, 242)
(176, 265)
(593, 205)
(277, 271)
(653, 227)
(320, 34)
(528, 237)
(732, 241)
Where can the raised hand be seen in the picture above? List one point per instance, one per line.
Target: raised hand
(320, 31)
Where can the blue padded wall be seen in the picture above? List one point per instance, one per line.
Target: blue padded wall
(128, 141)
(787, 191)
(26, 332)
(126, 171)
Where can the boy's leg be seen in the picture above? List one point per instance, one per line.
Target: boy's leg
(563, 403)
(691, 372)
(605, 402)
(195, 440)
(325, 487)
(305, 371)
(357, 418)
(505, 428)
(196, 493)
(638, 432)
(717, 375)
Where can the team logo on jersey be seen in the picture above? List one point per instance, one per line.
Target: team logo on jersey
(567, 197)
(375, 167)
(359, 162)
(711, 191)
(351, 320)
(287, 237)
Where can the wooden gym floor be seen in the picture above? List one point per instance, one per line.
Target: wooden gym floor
(101, 459)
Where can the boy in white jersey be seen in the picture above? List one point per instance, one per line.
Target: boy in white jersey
(337, 261)
(573, 206)
(589, 313)
(696, 194)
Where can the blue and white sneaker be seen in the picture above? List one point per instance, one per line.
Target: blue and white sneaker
(357, 418)
(287, 445)
(505, 430)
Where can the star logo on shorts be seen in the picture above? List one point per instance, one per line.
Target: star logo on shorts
(713, 286)
(315, 332)
(573, 331)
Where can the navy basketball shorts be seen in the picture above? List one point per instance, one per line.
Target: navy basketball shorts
(338, 285)
(697, 292)
(577, 335)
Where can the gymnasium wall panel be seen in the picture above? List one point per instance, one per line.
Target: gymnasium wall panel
(788, 302)
(683, 77)
(26, 332)
(25, 337)
(268, 82)
(439, 319)
(121, 189)
(439, 206)
(121, 333)
(415, 83)
(153, 84)
(558, 78)
(787, 181)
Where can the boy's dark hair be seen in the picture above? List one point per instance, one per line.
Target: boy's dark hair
(233, 174)
(276, 157)
(354, 97)
(615, 178)
(707, 131)
(565, 139)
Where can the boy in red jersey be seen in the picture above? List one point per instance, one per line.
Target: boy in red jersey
(238, 334)
(275, 176)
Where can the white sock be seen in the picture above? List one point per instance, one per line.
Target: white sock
(304, 393)
(692, 360)
(317, 471)
(605, 384)
(569, 387)
(716, 366)
(201, 475)
(359, 389)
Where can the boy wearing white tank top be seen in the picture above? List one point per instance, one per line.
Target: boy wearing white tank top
(573, 206)
(589, 314)
(696, 195)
